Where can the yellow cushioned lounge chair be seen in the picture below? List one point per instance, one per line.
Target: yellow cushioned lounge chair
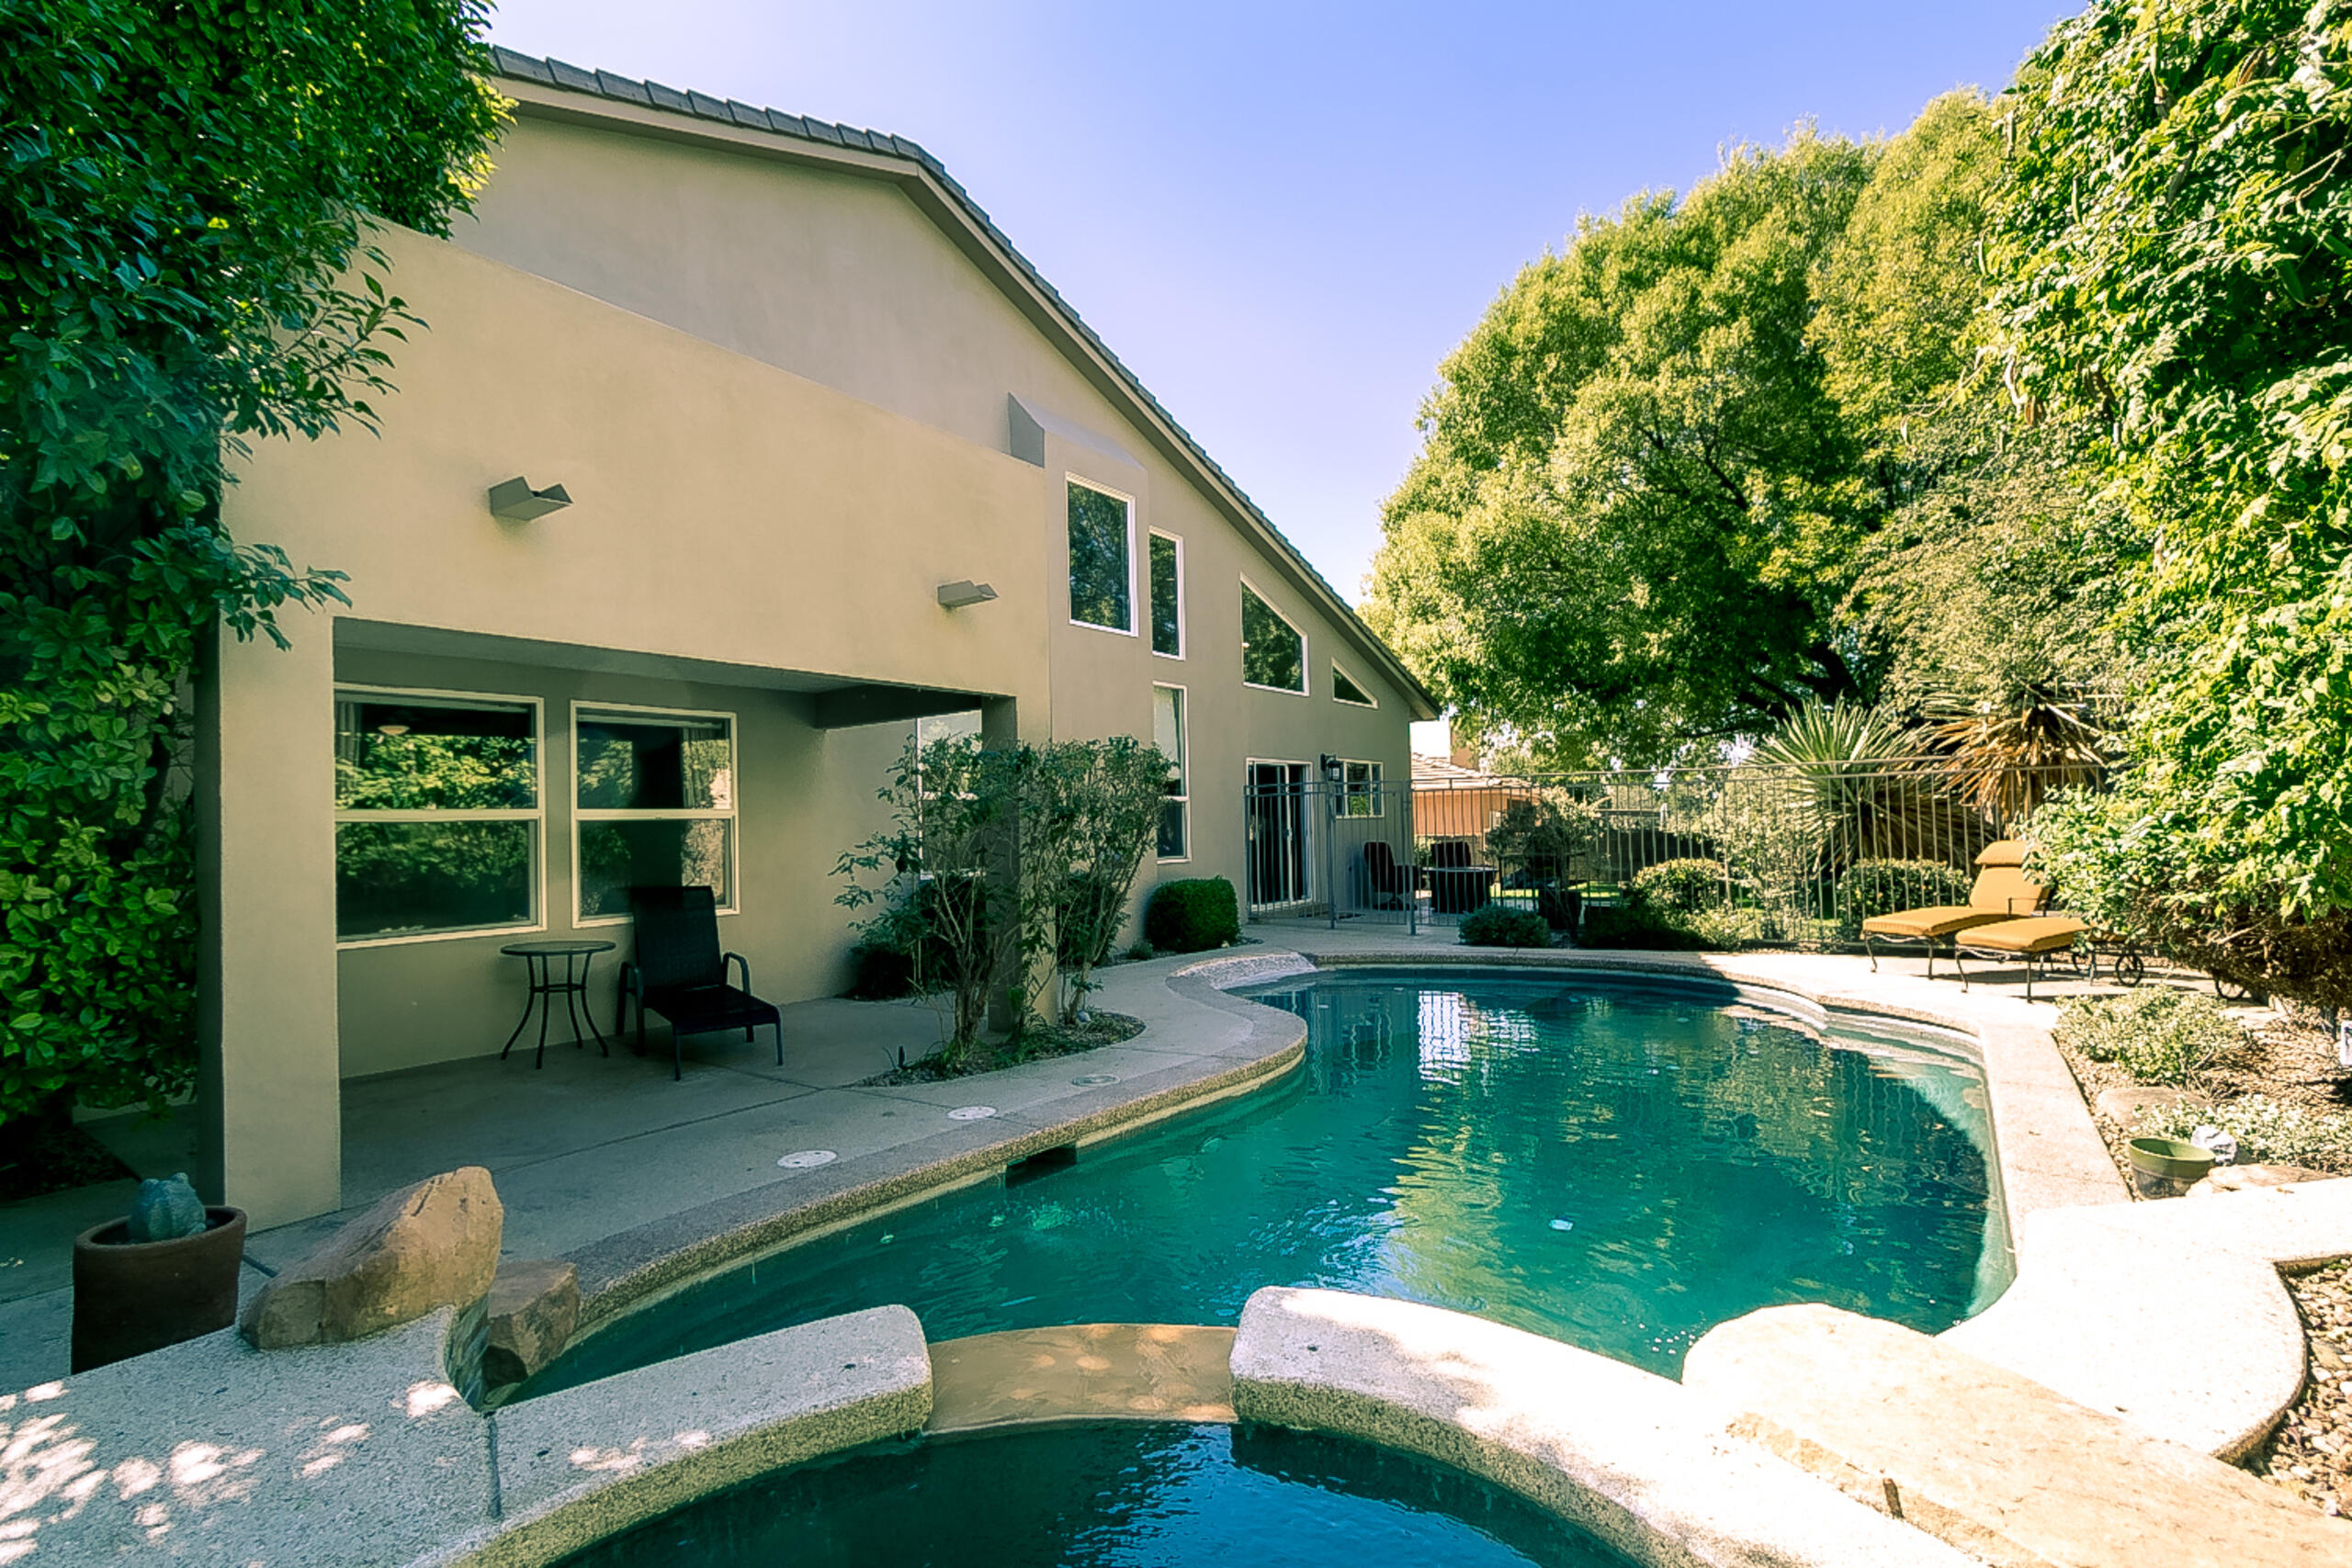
(2031, 941)
(2002, 892)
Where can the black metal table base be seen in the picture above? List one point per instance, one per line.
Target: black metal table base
(544, 988)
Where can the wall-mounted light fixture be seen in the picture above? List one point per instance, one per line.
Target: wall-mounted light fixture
(515, 501)
(965, 591)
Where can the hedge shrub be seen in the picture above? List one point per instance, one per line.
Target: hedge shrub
(1636, 924)
(1499, 925)
(1873, 887)
(1192, 914)
(1683, 887)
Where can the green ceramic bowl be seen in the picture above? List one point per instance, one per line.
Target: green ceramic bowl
(2171, 1157)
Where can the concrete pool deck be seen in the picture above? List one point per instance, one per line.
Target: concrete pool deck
(82, 1454)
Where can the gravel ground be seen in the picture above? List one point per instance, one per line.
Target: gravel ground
(2290, 1058)
(2311, 1454)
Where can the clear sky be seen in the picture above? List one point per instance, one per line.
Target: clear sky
(1283, 216)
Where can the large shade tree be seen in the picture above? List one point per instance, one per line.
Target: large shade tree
(186, 191)
(1632, 521)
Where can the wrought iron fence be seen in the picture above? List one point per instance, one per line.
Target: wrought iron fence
(1735, 856)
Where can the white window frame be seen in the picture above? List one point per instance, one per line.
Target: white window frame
(537, 816)
(1183, 632)
(1070, 609)
(1339, 669)
(1306, 687)
(1375, 791)
(732, 814)
(1184, 766)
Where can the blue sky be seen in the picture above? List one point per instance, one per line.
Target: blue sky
(1282, 217)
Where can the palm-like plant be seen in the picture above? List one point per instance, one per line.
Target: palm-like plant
(2004, 756)
(1852, 771)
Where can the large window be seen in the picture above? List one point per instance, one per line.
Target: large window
(655, 805)
(437, 814)
(1167, 734)
(1167, 595)
(1272, 653)
(1359, 791)
(1100, 575)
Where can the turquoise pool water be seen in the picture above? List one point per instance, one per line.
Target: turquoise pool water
(1617, 1167)
(1108, 1498)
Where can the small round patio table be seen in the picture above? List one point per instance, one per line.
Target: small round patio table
(538, 965)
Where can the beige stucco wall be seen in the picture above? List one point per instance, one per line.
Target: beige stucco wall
(841, 278)
(778, 397)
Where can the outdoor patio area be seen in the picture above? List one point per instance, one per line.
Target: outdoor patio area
(593, 1146)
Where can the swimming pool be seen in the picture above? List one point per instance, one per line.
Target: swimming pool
(1618, 1167)
(1108, 1496)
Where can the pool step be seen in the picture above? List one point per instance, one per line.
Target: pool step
(1986, 1458)
(1089, 1371)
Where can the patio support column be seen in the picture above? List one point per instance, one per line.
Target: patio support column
(1000, 726)
(269, 1083)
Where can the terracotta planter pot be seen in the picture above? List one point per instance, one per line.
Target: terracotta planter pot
(130, 1297)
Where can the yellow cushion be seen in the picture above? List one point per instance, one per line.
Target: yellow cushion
(2002, 852)
(2007, 891)
(1932, 922)
(2045, 934)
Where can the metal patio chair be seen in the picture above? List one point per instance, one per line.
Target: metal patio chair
(680, 973)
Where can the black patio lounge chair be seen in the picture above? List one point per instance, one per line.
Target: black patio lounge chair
(1387, 884)
(680, 973)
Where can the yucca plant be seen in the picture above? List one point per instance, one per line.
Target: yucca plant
(1853, 771)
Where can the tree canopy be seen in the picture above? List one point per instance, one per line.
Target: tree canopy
(186, 192)
(1633, 515)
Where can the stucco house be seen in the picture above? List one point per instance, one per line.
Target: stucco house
(794, 385)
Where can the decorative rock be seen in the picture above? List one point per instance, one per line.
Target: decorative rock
(533, 1308)
(167, 1210)
(2123, 1103)
(1996, 1464)
(432, 1245)
(2240, 1178)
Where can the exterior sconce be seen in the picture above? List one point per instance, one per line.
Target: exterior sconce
(964, 593)
(515, 501)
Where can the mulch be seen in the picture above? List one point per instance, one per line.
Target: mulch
(1037, 1044)
(53, 1157)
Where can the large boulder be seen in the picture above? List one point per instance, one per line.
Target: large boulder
(533, 1307)
(429, 1245)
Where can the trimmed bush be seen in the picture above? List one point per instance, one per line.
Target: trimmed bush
(1192, 914)
(1873, 887)
(2157, 1035)
(1681, 886)
(1499, 925)
(1637, 925)
(879, 974)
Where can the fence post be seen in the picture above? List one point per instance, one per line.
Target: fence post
(1330, 832)
(1412, 869)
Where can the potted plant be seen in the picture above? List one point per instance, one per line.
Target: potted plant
(165, 1272)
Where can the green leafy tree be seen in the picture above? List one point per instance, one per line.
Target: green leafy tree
(1098, 818)
(1632, 517)
(2173, 259)
(186, 194)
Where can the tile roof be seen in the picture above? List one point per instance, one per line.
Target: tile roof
(653, 94)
